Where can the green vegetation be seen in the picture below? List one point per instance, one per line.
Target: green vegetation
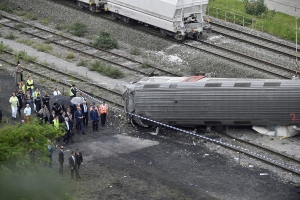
(23, 148)
(145, 64)
(44, 21)
(105, 41)
(106, 70)
(30, 16)
(83, 63)
(70, 55)
(10, 36)
(24, 56)
(44, 47)
(20, 25)
(275, 23)
(78, 29)
(257, 7)
(60, 27)
(5, 7)
(135, 51)
(2, 47)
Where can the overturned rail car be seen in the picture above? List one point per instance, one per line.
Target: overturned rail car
(199, 100)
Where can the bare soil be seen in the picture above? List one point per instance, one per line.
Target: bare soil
(125, 162)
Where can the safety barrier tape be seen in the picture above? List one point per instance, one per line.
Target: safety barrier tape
(200, 136)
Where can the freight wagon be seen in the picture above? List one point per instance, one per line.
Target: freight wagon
(176, 18)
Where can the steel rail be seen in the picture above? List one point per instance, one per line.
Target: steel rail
(255, 36)
(261, 147)
(261, 158)
(85, 45)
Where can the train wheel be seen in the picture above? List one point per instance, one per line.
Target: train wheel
(92, 8)
(162, 32)
(113, 16)
(79, 4)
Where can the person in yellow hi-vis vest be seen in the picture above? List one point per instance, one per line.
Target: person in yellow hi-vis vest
(103, 111)
(72, 92)
(14, 102)
(56, 122)
(30, 85)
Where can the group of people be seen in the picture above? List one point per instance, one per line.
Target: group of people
(75, 161)
(58, 115)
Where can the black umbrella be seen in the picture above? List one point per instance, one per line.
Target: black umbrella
(64, 101)
(59, 97)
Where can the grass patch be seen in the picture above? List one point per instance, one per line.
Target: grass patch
(82, 63)
(6, 7)
(275, 23)
(105, 41)
(24, 56)
(44, 47)
(145, 64)
(10, 36)
(135, 51)
(78, 29)
(2, 47)
(70, 55)
(20, 25)
(20, 13)
(30, 16)
(106, 70)
(44, 21)
(60, 27)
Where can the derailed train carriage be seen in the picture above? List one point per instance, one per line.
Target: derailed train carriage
(199, 100)
(177, 18)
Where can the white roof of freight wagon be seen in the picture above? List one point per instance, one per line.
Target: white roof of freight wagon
(166, 8)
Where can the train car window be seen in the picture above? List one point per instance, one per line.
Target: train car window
(242, 84)
(213, 84)
(272, 84)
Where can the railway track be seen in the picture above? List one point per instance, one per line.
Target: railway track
(259, 41)
(262, 153)
(216, 50)
(41, 71)
(114, 59)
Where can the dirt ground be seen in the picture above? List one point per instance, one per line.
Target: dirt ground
(125, 162)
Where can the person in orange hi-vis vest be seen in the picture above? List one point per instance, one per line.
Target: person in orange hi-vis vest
(103, 111)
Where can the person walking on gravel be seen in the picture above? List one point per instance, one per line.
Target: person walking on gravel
(61, 159)
(18, 74)
(14, 102)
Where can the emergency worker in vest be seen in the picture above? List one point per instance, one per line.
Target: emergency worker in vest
(72, 91)
(56, 122)
(103, 109)
(14, 102)
(30, 85)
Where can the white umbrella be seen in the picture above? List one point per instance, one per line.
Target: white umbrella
(77, 100)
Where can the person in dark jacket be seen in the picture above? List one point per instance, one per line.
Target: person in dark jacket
(79, 120)
(40, 116)
(61, 159)
(52, 116)
(79, 159)
(46, 100)
(73, 165)
(94, 116)
(20, 96)
(38, 102)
